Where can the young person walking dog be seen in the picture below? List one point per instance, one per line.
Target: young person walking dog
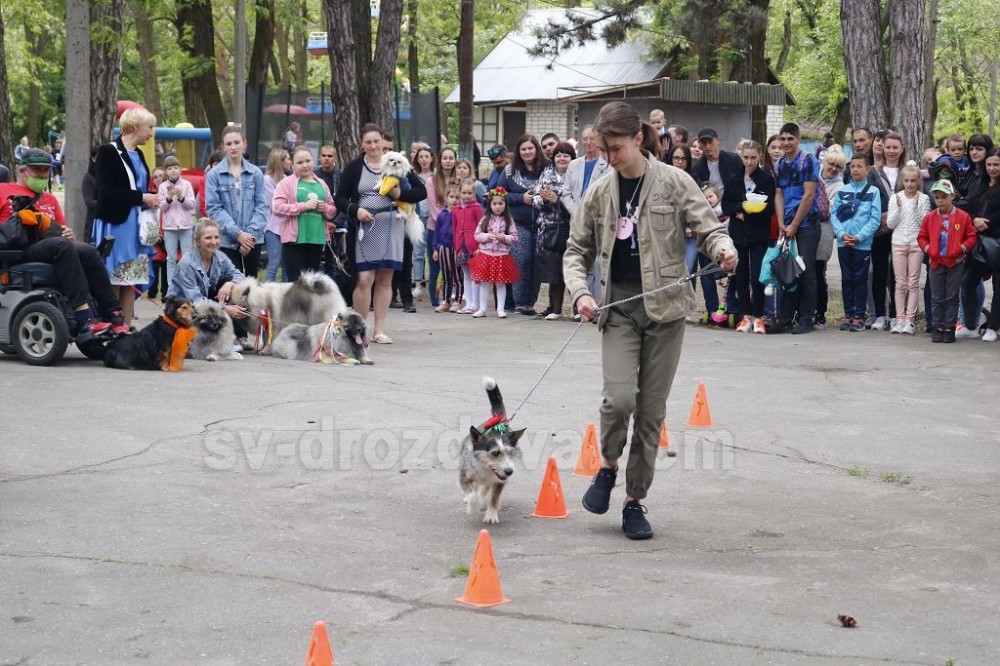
(633, 223)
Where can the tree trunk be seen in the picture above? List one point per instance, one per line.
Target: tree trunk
(382, 73)
(841, 121)
(38, 43)
(263, 42)
(865, 62)
(147, 57)
(929, 106)
(466, 37)
(344, 81)
(299, 38)
(413, 62)
(107, 19)
(906, 64)
(6, 128)
(283, 78)
(786, 43)
(361, 23)
(79, 124)
(199, 78)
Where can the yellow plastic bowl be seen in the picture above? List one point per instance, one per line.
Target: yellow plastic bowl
(754, 207)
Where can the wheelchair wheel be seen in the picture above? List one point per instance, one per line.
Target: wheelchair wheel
(41, 334)
(93, 349)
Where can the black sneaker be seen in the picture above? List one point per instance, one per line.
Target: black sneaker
(634, 522)
(801, 329)
(409, 307)
(948, 335)
(598, 495)
(395, 305)
(779, 328)
(937, 335)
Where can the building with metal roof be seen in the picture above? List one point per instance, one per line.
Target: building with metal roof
(516, 93)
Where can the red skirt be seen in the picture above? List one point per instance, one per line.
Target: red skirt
(501, 269)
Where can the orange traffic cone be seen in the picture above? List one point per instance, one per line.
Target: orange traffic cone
(700, 416)
(664, 437)
(551, 503)
(483, 587)
(590, 460)
(319, 647)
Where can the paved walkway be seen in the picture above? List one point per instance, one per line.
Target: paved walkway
(212, 516)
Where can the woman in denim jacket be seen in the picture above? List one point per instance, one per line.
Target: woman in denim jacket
(236, 199)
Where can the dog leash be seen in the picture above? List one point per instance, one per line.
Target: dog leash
(709, 269)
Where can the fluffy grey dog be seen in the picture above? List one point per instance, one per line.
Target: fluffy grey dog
(345, 344)
(312, 299)
(215, 338)
(486, 458)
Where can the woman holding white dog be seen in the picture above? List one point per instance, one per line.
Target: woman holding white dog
(633, 223)
(306, 208)
(376, 234)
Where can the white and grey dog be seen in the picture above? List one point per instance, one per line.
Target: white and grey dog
(486, 458)
(215, 338)
(395, 168)
(312, 299)
(347, 344)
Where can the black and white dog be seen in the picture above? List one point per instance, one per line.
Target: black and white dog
(486, 458)
(345, 343)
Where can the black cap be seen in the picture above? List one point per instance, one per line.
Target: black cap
(35, 157)
(707, 133)
(496, 151)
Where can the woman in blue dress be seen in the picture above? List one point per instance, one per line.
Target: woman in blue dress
(122, 191)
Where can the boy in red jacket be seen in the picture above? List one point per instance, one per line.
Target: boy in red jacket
(946, 237)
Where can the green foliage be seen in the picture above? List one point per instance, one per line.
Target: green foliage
(814, 72)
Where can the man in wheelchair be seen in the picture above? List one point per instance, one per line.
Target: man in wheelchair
(79, 267)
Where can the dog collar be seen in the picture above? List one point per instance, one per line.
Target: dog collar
(171, 321)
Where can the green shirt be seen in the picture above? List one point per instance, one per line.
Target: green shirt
(312, 227)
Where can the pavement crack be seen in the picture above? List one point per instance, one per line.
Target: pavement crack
(413, 606)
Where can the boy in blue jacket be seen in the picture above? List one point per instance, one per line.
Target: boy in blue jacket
(857, 212)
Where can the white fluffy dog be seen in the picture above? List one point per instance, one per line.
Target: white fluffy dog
(395, 167)
(312, 299)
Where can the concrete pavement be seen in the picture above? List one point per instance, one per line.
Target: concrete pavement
(212, 516)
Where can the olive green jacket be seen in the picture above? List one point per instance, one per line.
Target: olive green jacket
(669, 203)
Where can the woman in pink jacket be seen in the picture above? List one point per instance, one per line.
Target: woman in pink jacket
(307, 210)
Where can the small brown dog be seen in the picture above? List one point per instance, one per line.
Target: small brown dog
(162, 345)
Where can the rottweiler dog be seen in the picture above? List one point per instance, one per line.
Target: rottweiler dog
(157, 346)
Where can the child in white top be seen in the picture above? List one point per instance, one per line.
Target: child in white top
(493, 264)
(906, 212)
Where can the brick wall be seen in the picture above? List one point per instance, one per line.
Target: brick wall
(775, 119)
(549, 116)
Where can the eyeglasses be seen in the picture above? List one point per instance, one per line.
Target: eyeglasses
(678, 158)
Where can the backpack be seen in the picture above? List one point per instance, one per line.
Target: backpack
(821, 202)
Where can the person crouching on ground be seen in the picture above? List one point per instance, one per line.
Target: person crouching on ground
(634, 222)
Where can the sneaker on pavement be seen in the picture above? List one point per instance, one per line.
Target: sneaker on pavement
(846, 326)
(949, 335)
(634, 522)
(990, 335)
(937, 335)
(908, 328)
(880, 324)
(820, 323)
(479, 314)
(896, 327)
(502, 314)
(803, 328)
(964, 333)
(598, 495)
(857, 326)
(553, 316)
(745, 324)
(759, 327)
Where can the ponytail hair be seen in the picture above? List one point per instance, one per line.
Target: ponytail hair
(621, 119)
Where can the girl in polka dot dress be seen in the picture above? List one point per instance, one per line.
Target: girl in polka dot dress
(493, 264)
